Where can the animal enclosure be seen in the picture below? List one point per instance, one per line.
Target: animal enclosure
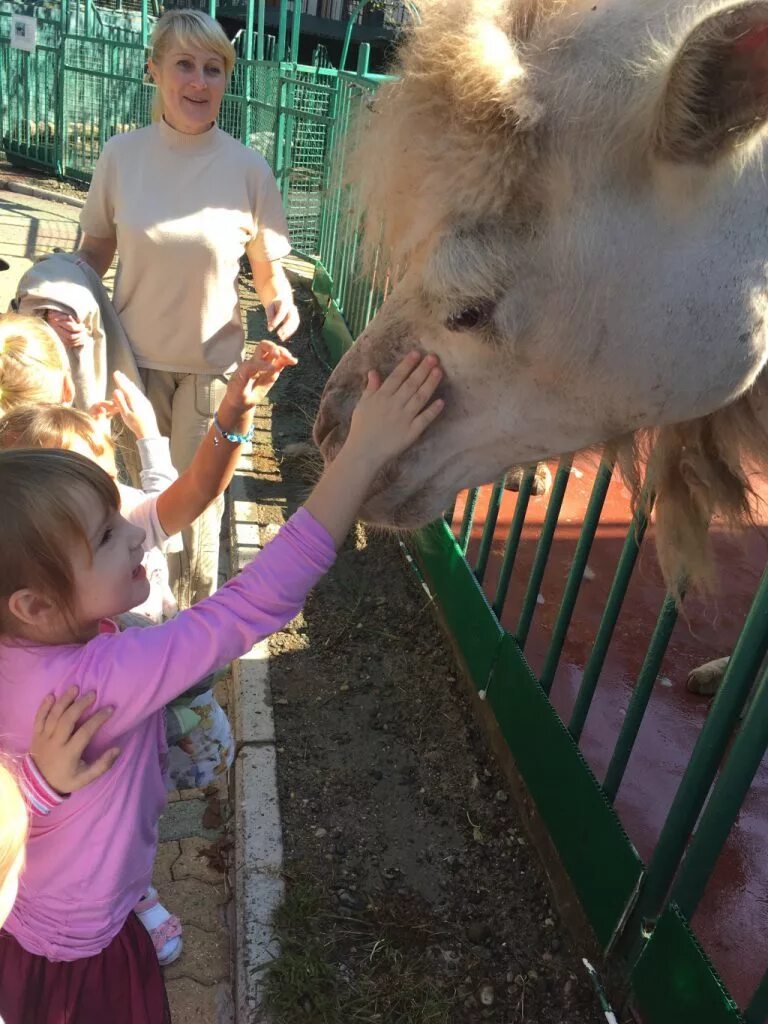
(554, 604)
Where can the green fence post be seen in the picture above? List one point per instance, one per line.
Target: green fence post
(144, 23)
(576, 575)
(638, 702)
(621, 581)
(59, 126)
(513, 541)
(282, 30)
(245, 107)
(486, 541)
(295, 31)
(260, 29)
(212, 8)
(353, 16)
(363, 58)
(724, 804)
(705, 760)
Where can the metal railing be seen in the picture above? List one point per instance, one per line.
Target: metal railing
(59, 106)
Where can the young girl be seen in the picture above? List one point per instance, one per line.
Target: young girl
(206, 747)
(68, 563)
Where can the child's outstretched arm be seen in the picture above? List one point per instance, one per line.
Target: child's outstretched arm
(215, 461)
(389, 418)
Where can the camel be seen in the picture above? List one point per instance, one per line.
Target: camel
(574, 194)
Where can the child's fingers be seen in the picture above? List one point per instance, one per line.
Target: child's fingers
(122, 404)
(71, 715)
(41, 717)
(96, 769)
(424, 392)
(425, 418)
(401, 372)
(83, 736)
(59, 708)
(418, 376)
(373, 382)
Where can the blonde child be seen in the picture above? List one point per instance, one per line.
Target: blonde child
(69, 563)
(33, 363)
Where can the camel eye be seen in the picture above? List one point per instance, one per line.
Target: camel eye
(471, 317)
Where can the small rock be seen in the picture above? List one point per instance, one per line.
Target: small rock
(501, 796)
(589, 574)
(344, 688)
(281, 701)
(320, 833)
(540, 599)
(486, 994)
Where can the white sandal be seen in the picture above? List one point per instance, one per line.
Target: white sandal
(164, 928)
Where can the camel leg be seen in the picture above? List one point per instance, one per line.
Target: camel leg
(706, 678)
(542, 480)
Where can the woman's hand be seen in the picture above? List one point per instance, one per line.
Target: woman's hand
(131, 404)
(282, 316)
(58, 742)
(391, 416)
(250, 383)
(72, 332)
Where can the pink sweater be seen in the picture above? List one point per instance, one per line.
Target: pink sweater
(90, 860)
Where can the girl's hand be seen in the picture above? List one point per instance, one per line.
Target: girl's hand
(131, 404)
(282, 316)
(250, 383)
(392, 415)
(58, 743)
(72, 332)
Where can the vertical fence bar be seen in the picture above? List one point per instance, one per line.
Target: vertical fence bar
(295, 31)
(513, 541)
(59, 126)
(212, 8)
(562, 476)
(724, 803)
(491, 518)
(596, 660)
(638, 703)
(363, 58)
(468, 518)
(282, 30)
(260, 29)
(576, 575)
(247, 81)
(144, 23)
(707, 754)
(757, 1011)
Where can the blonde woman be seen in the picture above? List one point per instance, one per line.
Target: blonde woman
(181, 202)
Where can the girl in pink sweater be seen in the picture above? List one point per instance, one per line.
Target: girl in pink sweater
(69, 562)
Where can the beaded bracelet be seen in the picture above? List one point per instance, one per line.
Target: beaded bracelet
(229, 435)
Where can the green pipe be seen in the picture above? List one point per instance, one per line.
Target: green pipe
(245, 107)
(295, 31)
(212, 8)
(353, 16)
(638, 702)
(260, 29)
(513, 541)
(724, 803)
(489, 529)
(562, 476)
(144, 23)
(576, 575)
(249, 20)
(466, 522)
(707, 754)
(282, 30)
(363, 59)
(618, 592)
(757, 1011)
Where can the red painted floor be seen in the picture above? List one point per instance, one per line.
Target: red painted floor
(730, 921)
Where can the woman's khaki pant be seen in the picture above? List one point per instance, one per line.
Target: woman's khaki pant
(184, 404)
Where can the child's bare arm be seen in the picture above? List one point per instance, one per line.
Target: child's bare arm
(216, 459)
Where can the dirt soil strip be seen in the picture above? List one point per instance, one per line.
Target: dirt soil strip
(412, 893)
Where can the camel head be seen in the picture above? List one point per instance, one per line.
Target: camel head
(573, 194)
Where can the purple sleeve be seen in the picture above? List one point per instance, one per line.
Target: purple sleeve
(141, 670)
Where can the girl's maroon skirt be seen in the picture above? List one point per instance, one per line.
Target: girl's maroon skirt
(122, 985)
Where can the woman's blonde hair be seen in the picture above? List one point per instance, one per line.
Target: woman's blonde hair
(41, 512)
(14, 823)
(188, 28)
(53, 426)
(33, 362)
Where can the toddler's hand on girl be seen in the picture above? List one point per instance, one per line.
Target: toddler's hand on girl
(392, 415)
(131, 404)
(250, 383)
(58, 742)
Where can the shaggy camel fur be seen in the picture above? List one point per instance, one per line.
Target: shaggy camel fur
(574, 192)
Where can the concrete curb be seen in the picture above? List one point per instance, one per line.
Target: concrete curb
(258, 832)
(40, 193)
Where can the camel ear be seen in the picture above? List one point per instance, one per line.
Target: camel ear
(716, 95)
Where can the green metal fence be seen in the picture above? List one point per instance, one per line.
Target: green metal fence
(81, 86)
